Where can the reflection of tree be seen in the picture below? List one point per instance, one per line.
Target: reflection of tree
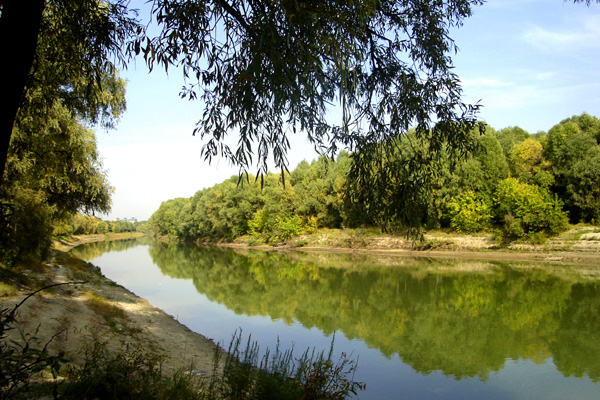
(89, 251)
(433, 317)
(581, 330)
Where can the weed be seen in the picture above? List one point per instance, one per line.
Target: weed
(7, 289)
(279, 375)
(133, 373)
(105, 308)
(129, 373)
(21, 360)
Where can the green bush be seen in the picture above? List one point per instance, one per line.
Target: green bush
(287, 227)
(531, 209)
(469, 213)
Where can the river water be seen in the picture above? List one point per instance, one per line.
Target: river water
(420, 328)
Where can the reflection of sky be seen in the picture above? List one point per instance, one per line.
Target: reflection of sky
(386, 378)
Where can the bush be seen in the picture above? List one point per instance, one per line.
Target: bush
(527, 208)
(287, 227)
(469, 213)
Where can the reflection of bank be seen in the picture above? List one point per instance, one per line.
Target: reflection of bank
(89, 251)
(464, 319)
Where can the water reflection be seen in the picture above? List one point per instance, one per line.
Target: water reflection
(464, 319)
(89, 251)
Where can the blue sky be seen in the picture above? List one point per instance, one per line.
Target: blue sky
(531, 63)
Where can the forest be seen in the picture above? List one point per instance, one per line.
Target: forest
(517, 184)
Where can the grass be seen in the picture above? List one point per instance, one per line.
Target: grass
(133, 373)
(6, 289)
(105, 308)
(280, 375)
(130, 373)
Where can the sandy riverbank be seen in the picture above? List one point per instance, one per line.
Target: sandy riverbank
(74, 314)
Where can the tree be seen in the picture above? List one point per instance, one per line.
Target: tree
(275, 68)
(510, 137)
(52, 166)
(526, 209)
(529, 165)
(573, 150)
(53, 170)
(64, 50)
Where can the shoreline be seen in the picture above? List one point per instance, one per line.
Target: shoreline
(66, 315)
(88, 308)
(576, 246)
(579, 245)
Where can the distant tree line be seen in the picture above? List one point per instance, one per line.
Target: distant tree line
(516, 183)
(80, 224)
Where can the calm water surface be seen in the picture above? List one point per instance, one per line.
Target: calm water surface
(420, 328)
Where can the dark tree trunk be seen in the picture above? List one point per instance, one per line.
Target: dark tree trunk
(19, 28)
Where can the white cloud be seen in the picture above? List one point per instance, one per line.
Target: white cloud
(484, 82)
(582, 34)
(545, 76)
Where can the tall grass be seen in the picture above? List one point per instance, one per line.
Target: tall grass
(280, 376)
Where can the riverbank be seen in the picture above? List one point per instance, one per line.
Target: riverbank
(89, 308)
(578, 245)
(67, 243)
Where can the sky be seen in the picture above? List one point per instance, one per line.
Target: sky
(530, 63)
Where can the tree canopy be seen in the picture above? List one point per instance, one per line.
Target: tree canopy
(53, 168)
(516, 184)
(268, 69)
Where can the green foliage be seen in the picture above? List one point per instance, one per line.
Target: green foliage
(53, 167)
(79, 43)
(387, 64)
(285, 228)
(130, 373)
(510, 137)
(494, 167)
(53, 170)
(311, 197)
(401, 185)
(528, 208)
(573, 148)
(280, 376)
(469, 213)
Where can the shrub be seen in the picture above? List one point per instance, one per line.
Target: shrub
(469, 213)
(530, 207)
(287, 227)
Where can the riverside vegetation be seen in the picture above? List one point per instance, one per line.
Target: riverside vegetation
(517, 185)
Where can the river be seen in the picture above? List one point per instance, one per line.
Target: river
(420, 328)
